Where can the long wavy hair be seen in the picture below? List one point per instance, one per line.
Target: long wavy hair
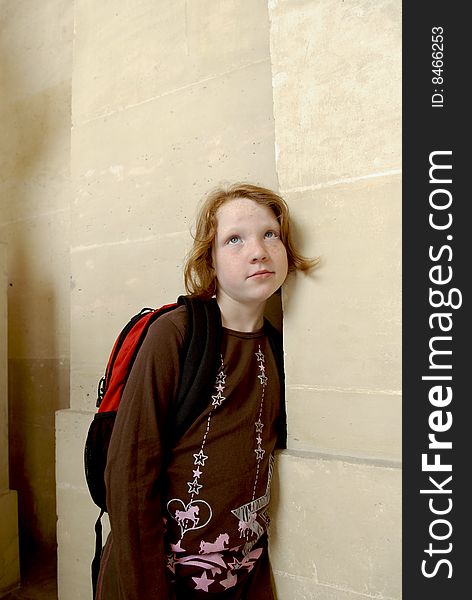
(199, 275)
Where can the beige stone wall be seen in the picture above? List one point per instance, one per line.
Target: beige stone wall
(35, 73)
(337, 108)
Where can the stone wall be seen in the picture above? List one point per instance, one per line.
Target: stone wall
(35, 79)
(336, 70)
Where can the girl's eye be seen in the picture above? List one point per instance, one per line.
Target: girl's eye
(234, 239)
(271, 234)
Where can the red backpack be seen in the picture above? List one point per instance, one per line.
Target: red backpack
(199, 367)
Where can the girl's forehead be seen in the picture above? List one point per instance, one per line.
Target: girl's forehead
(242, 210)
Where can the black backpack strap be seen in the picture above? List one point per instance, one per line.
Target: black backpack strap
(98, 553)
(276, 343)
(201, 360)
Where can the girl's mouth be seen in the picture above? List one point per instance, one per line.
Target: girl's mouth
(261, 274)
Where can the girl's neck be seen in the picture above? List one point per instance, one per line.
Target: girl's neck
(240, 317)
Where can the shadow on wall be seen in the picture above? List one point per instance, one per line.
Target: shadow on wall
(38, 383)
(36, 390)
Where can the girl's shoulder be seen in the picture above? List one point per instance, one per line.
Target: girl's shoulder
(173, 323)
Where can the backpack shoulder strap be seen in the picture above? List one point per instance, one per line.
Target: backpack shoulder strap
(201, 360)
(276, 343)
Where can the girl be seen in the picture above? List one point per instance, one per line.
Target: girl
(190, 522)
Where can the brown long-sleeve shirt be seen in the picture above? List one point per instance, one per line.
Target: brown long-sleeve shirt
(192, 524)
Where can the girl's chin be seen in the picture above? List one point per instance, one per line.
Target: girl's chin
(245, 299)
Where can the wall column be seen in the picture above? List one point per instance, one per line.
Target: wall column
(336, 73)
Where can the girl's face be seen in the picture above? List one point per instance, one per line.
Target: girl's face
(249, 258)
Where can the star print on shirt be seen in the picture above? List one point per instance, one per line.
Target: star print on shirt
(221, 378)
(259, 425)
(263, 379)
(194, 487)
(259, 453)
(260, 355)
(197, 473)
(200, 458)
(177, 547)
(230, 581)
(203, 582)
(235, 565)
(218, 399)
(171, 562)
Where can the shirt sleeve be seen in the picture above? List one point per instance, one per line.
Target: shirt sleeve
(135, 459)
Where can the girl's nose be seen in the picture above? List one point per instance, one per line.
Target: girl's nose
(258, 253)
